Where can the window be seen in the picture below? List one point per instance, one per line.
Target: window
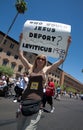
(1, 49)
(13, 64)
(16, 57)
(55, 80)
(5, 61)
(52, 74)
(11, 46)
(5, 41)
(20, 68)
(8, 53)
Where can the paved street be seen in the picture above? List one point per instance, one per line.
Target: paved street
(68, 115)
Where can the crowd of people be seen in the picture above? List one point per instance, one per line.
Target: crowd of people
(16, 85)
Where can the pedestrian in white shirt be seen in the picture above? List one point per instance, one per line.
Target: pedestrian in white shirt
(21, 85)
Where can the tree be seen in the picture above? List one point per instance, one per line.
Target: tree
(6, 70)
(21, 7)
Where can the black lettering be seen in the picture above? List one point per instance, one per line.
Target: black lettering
(44, 37)
(44, 29)
(45, 49)
(41, 48)
(30, 46)
(39, 35)
(26, 45)
(49, 49)
(36, 47)
(35, 28)
(35, 35)
(33, 47)
(39, 28)
(31, 22)
(48, 29)
(40, 23)
(53, 25)
(53, 38)
(48, 38)
(48, 24)
(35, 22)
(53, 30)
(23, 45)
(30, 34)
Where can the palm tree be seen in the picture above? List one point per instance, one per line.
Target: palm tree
(21, 7)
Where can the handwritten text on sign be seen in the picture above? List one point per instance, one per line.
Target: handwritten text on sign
(49, 38)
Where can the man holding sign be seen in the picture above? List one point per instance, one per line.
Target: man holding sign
(40, 39)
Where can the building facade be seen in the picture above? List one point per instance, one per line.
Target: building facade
(9, 57)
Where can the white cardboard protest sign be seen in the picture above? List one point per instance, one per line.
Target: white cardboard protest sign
(42, 37)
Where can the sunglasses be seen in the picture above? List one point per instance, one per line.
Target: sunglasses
(43, 59)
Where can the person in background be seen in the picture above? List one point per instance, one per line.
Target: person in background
(58, 90)
(4, 82)
(26, 79)
(50, 92)
(7, 79)
(3, 76)
(70, 94)
(21, 85)
(37, 79)
(5, 87)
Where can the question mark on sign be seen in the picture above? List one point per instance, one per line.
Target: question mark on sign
(60, 38)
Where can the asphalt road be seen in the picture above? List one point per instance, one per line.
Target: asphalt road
(68, 115)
